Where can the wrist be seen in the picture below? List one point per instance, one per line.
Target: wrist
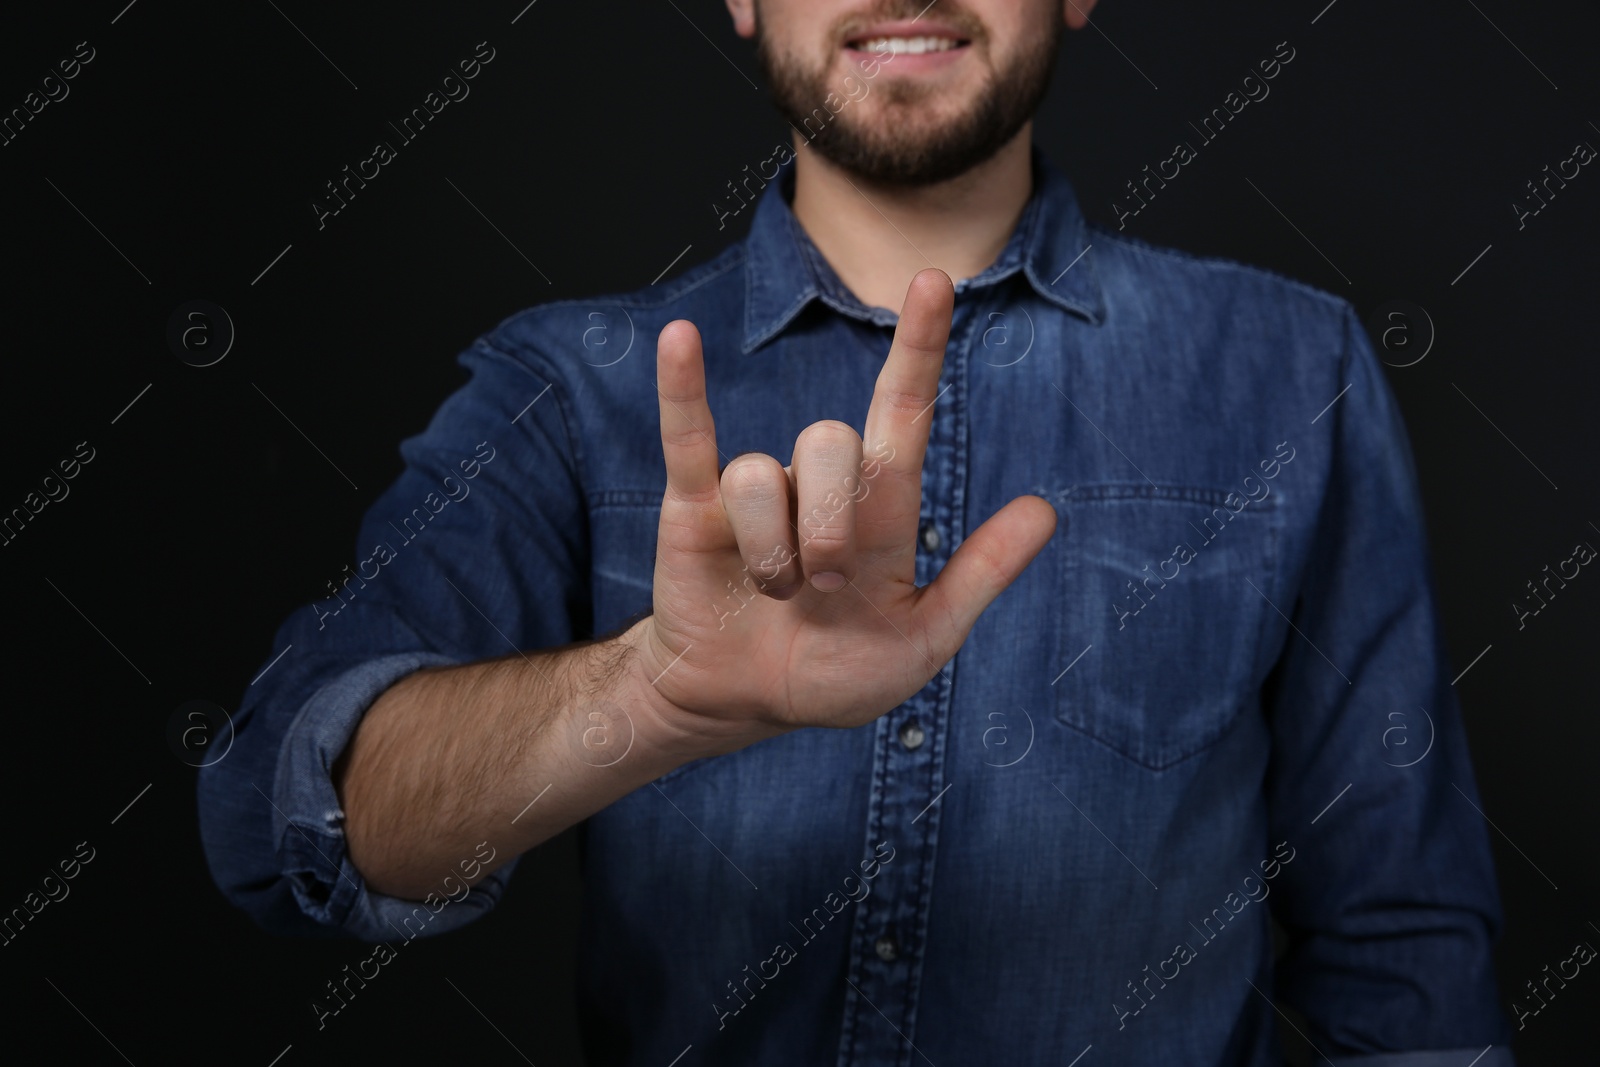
(676, 733)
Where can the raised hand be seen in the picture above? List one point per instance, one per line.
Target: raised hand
(787, 594)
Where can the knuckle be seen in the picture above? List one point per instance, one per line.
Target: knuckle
(771, 565)
(688, 520)
(750, 480)
(829, 538)
(829, 433)
(682, 436)
(901, 400)
(704, 505)
(992, 569)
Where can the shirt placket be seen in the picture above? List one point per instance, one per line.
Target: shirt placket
(908, 771)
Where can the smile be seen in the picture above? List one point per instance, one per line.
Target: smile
(924, 44)
(914, 46)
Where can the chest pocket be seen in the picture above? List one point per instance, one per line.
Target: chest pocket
(622, 524)
(1157, 599)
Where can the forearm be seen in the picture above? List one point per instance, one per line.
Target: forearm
(509, 751)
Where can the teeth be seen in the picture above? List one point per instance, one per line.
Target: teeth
(905, 45)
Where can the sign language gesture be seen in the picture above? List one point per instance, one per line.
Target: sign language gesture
(787, 594)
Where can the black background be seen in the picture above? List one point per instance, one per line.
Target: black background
(596, 142)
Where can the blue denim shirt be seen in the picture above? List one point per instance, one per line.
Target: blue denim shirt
(1217, 698)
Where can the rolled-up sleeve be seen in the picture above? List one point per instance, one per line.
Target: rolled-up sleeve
(479, 549)
(1390, 905)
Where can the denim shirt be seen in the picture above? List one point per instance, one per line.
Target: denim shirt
(1215, 705)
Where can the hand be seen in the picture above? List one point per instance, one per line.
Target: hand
(787, 596)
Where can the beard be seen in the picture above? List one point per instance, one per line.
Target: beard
(905, 146)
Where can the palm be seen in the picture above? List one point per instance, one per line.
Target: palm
(730, 640)
(816, 659)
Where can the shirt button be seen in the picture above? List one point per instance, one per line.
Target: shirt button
(930, 537)
(911, 735)
(887, 949)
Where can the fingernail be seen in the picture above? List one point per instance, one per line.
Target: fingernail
(828, 581)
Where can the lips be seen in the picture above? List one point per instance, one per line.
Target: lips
(913, 46)
(906, 38)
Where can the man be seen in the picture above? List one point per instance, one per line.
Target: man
(1164, 507)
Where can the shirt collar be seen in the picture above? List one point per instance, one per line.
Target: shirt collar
(784, 271)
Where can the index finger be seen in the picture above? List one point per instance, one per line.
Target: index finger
(688, 436)
(896, 437)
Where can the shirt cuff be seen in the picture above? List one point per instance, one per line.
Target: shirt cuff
(1493, 1056)
(308, 823)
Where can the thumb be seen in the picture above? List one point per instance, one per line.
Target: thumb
(980, 570)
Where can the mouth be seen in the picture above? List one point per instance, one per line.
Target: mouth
(918, 44)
